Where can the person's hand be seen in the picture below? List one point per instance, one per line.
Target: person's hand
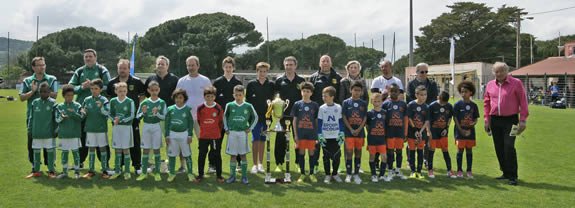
(228, 132)
(247, 131)
(466, 132)
(34, 86)
(86, 84)
(116, 121)
(155, 110)
(70, 110)
(487, 126)
(83, 111)
(522, 126)
(321, 140)
(355, 132)
(99, 103)
(444, 132)
(428, 134)
(296, 140)
(190, 139)
(417, 135)
(167, 140)
(144, 109)
(64, 115)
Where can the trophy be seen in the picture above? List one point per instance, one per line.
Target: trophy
(276, 109)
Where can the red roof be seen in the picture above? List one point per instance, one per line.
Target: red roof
(549, 66)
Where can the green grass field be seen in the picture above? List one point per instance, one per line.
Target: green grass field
(545, 177)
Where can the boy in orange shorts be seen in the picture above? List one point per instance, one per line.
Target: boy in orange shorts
(440, 113)
(376, 137)
(465, 114)
(418, 133)
(304, 114)
(395, 130)
(354, 112)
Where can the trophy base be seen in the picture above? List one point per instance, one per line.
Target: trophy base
(270, 180)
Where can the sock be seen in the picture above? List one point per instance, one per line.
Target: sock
(76, 156)
(37, 160)
(311, 165)
(447, 159)
(390, 160)
(172, 165)
(104, 161)
(469, 161)
(372, 168)
(419, 160)
(127, 163)
(51, 159)
(357, 163)
(145, 158)
(118, 162)
(233, 166)
(430, 159)
(65, 161)
(302, 164)
(244, 168)
(348, 166)
(92, 160)
(398, 159)
(459, 161)
(411, 159)
(158, 162)
(382, 169)
(189, 164)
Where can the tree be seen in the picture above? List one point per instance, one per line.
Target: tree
(64, 50)
(144, 62)
(12, 73)
(211, 37)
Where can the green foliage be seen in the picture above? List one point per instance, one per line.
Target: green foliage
(548, 48)
(12, 73)
(64, 50)
(145, 63)
(211, 37)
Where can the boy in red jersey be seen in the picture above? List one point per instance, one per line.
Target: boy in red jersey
(209, 116)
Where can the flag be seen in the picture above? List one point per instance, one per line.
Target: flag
(133, 56)
(452, 60)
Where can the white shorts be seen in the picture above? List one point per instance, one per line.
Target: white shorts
(96, 139)
(237, 143)
(151, 136)
(122, 137)
(179, 144)
(68, 144)
(43, 143)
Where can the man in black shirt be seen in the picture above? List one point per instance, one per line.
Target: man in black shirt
(288, 87)
(167, 81)
(422, 69)
(136, 92)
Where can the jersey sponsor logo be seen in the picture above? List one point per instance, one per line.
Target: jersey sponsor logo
(305, 122)
(355, 118)
(331, 118)
(209, 121)
(176, 122)
(379, 129)
(395, 120)
(440, 123)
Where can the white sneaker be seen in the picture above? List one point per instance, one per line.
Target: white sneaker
(261, 168)
(327, 179)
(348, 179)
(337, 178)
(356, 179)
(374, 178)
(211, 170)
(182, 170)
(139, 171)
(386, 178)
(398, 174)
(360, 171)
(390, 173)
(254, 170)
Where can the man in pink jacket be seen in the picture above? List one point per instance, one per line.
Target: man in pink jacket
(505, 104)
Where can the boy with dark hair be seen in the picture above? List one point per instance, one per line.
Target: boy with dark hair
(210, 118)
(305, 129)
(69, 119)
(396, 129)
(354, 112)
(179, 131)
(465, 114)
(418, 115)
(440, 113)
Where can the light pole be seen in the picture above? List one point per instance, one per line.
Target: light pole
(518, 44)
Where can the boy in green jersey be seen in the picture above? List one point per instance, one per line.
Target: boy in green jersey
(179, 128)
(69, 119)
(122, 113)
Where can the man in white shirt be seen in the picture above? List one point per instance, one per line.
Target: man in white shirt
(383, 82)
(194, 83)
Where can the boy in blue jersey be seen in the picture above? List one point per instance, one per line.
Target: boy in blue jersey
(330, 127)
(418, 115)
(440, 113)
(305, 129)
(465, 114)
(376, 137)
(354, 112)
(396, 129)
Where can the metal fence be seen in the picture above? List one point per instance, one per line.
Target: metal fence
(549, 89)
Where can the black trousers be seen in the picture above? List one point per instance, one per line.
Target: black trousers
(280, 145)
(215, 146)
(84, 150)
(331, 152)
(136, 151)
(505, 144)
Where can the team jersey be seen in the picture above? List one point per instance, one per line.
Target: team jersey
(439, 117)
(466, 113)
(240, 117)
(97, 71)
(179, 119)
(71, 125)
(210, 119)
(41, 123)
(329, 121)
(149, 116)
(355, 112)
(395, 118)
(376, 127)
(306, 124)
(27, 87)
(418, 114)
(124, 110)
(96, 116)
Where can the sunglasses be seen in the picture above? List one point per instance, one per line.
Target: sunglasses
(423, 72)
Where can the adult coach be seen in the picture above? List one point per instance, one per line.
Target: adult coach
(384, 81)
(353, 69)
(287, 87)
(29, 92)
(167, 80)
(136, 91)
(422, 69)
(81, 82)
(504, 99)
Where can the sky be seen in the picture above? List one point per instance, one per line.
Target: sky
(368, 19)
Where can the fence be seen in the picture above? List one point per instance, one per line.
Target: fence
(546, 89)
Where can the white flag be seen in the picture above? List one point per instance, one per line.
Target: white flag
(452, 60)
